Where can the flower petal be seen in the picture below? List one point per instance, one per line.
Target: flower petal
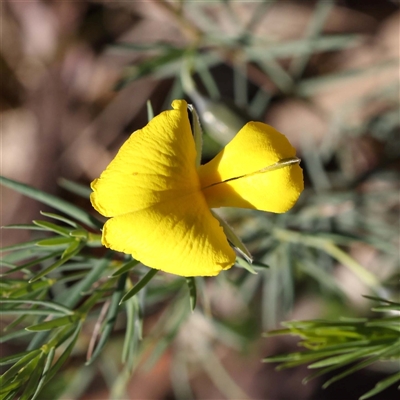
(179, 236)
(156, 164)
(236, 177)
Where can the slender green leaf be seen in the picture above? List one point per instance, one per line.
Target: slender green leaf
(31, 385)
(19, 246)
(197, 134)
(13, 358)
(140, 285)
(94, 240)
(380, 299)
(64, 258)
(72, 249)
(25, 360)
(75, 188)
(46, 368)
(79, 234)
(59, 218)
(64, 356)
(17, 321)
(54, 323)
(150, 111)
(52, 201)
(72, 295)
(132, 314)
(30, 311)
(10, 396)
(49, 304)
(11, 386)
(382, 385)
(126, 268)
(343, 359)
(52, 227)
(191, 282)
(110, 319)
(32, 263)
(244, 264)
(24, 255)
(14, 335)
(24, 226)
(31, 288)
(235, 241)
(55, 241)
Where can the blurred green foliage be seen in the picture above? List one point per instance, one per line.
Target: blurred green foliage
(61, 284)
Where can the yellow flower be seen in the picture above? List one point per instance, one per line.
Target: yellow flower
(159, 201)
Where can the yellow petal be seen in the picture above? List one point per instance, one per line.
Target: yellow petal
(152, 191)
(155, 164)
(179, 236)
(236, 177)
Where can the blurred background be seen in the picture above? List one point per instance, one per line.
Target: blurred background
(75, 80)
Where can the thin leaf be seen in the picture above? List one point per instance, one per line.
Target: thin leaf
(14, 323)
(29, 311)
(72, 249)
(13, 358)
(382, 385)
(55, 241)
(54, 323)
(343, 359)
(64, 356)
(72, 295)
(14, 335)
(31, 385)
(50, 304)
(46, 368)
(132, 314)
(52, 227)
(10, 387)
(75, 188)
(59, 218)
(64, 258)
(24, 254)
(52, 201)
(20, 246)
(24, 226)
(126, 268)
(140, 285)
(80, 234)
(197, 134)
(25, 360)
(243, 264)
(150, 111)
(234, 239)
(110, 319)
(191, 282)
(32, 263)
(31, 288)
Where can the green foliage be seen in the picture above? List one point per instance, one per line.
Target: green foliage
(61, 286)
(354, 343)
(54, 286)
